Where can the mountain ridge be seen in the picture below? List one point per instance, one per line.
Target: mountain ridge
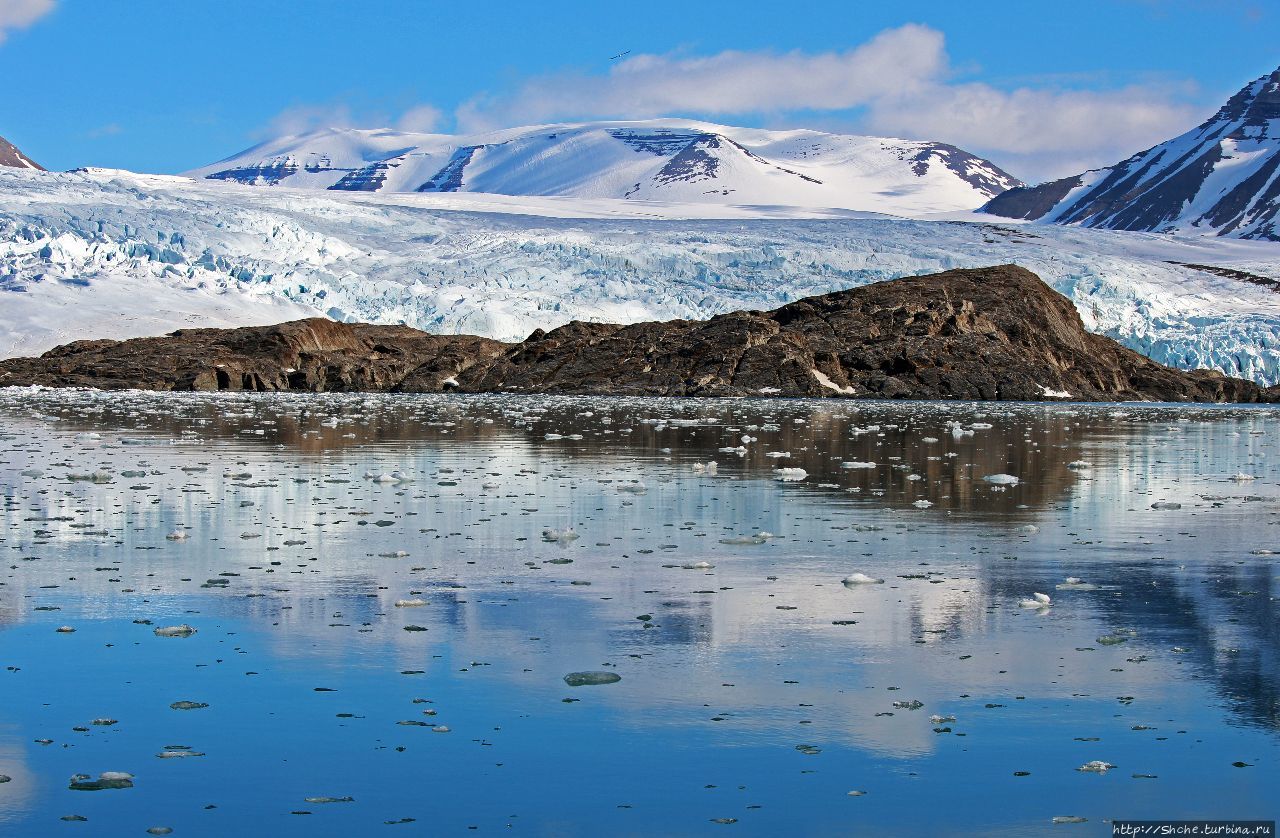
(12, 156)
(655, 160)
(1222, 178)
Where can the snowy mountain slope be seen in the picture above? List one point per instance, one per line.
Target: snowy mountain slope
(661, 159)
(11, 155)
(81, 254)
(1222, 178)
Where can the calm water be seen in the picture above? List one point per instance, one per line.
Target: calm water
(758, 694)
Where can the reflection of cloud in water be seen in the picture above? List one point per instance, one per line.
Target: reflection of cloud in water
(476, 556)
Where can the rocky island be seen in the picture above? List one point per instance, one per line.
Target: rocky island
(996, 333)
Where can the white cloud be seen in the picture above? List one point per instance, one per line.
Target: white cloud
(901, 82)
(299, 119)
(895, 62)
(19, 14)
(420, 118)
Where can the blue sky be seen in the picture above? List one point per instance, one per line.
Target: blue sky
(1042, 88)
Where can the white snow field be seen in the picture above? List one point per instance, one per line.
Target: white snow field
(108, 254)
(644, 160)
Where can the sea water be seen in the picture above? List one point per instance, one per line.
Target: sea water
(586, 616)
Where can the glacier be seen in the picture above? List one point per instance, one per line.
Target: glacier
(111, 254)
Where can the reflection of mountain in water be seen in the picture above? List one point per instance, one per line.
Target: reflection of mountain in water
(952, 579)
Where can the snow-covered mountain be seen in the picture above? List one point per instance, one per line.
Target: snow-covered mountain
(1222, 178)
(113, 254)
(11, 155)
(651, 160)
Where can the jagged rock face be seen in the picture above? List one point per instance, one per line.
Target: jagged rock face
(10, 155)
(1221, 177)
(996, 333)
(993, 333)
(311, 355)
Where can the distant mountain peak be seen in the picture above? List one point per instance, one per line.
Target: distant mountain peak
(670, 160)
(1221, 178)
(11, 156)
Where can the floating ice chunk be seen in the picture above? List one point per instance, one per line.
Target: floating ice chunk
(1075, 583)
(182, 630)
(1001, 479)
(1037, 601)
(566, 534)
(1080, 465)
(65, 630)
(410, 603)
(490, 485)
(859, 578)
(1241, 477)
(591, 679)
(1096, 766)
(106, 780)
(777, 454)
(922, 504)
(177, 535)
(790, 475)
(636, 488)
(1028, 529)
(1166, 504)
(857, 465)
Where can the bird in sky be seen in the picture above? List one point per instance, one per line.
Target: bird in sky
(619, 55)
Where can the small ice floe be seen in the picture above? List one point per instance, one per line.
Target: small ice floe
(106, 780)
(1241, 477)
(65, 630)
(188, 705)
(331, 799)
(182, 630)
(591, 679)
(928, 440)
(177, 535)
(174, 752)
(1001, 479)
(1080, 465)
(635, 488)
(857, 465)
(410, 603)
(706, 468)
(939, 720)
(490, 485)
(395, 554)
(91, 477)
(566, 534)
(1166, 504)
(922, 504)
(1064, 819)
(1027, 529)
(757, 538)
(855, 579)
(741, 451)
(790, 475)
(32, 472)
(1037, 600)
(698, 566)
(1075, 583)
(777, 454)
(1096, 766)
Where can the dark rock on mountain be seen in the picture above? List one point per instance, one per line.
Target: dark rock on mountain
(1223, 177)
(992, 333)
(11, 156)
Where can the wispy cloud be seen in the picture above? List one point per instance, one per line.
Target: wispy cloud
(19, 14)
(901, 82)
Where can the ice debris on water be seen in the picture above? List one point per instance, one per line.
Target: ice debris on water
(410, 603)
(182, 630)
(854, 579)
(1096, 766)
(566, 534)
(106, 780)
(1001, 479)
(591, 679)
(790, 475)
(1037, 600)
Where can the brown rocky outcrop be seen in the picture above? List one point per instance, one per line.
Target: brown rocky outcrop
(991, 333)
